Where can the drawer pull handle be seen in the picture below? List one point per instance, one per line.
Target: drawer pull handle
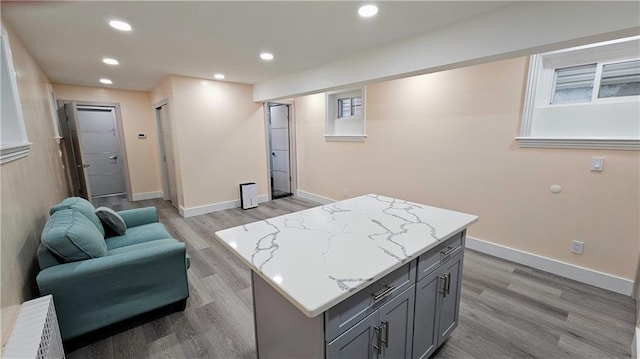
(448, 291)
(387, 290)
(448, 251)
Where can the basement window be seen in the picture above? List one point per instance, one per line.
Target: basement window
(345, 115)
(584, 97)
(14, 143)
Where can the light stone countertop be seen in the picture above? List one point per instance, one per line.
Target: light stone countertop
(318, 257)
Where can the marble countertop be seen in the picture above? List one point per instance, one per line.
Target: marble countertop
(318, 257)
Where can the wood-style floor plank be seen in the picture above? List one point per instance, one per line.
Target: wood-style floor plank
(507, 310)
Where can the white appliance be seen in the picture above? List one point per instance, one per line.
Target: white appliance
(36, 333)
(248, 195)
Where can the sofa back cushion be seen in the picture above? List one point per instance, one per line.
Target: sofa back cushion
(81, 205)
(72, 237)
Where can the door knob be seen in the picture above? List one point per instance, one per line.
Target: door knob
(273, 154)
(113, 157)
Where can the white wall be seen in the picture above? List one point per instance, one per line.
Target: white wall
(523, 28)
(219, 140)
(29, 187)
(448, 139)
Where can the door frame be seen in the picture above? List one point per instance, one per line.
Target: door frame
(293, 159)
(123, 147)
(163, 167)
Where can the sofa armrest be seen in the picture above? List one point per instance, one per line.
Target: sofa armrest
(93, 293)
(139, 216)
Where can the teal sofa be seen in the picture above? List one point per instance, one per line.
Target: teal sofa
(98, 279)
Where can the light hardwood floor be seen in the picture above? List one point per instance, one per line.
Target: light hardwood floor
(507, 310)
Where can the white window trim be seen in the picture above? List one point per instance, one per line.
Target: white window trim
(339, 138)
(532, 100)
(18, 147)
(329, 116)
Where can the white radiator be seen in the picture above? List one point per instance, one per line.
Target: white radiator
(36, 333)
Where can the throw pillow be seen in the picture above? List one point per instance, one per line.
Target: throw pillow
(112, 219)
(72, 237)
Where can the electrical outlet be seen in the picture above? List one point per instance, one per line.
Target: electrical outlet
(577, 247)
(345, 193)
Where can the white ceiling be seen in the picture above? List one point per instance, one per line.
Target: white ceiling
(198, 39)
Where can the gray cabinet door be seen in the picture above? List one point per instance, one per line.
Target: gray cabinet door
(425, 329)
(357, 342)
(396, 325)
(450, 301)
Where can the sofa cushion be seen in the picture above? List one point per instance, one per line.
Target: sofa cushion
(139, 234)
(72, 237)
(112, 220)
(81, 205)
(46, 258)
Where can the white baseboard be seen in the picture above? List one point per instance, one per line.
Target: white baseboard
(220, 206)
(146, 195)
(314, 197)
(580, 274)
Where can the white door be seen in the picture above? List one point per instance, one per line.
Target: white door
(100, 144)
(166, 152)
(279, 145)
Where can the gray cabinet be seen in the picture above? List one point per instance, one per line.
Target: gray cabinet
(385, 333)
(360, 305)
(425, 334)
(396, 326)
(357, 342)
(406, 314)
(451, 272)
(437, 306)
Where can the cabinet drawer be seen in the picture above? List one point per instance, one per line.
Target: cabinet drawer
(355, 308)
(429, 261)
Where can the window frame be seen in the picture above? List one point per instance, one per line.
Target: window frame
(19, 145)
(332, 116)
(540, 89)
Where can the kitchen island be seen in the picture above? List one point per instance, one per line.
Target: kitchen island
(371, 276)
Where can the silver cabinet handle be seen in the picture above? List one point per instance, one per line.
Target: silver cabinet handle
(444, 284)
(448, 290)
(387, 290)
(376, 344)
(113, 157)
(448, 251)
(385, 324)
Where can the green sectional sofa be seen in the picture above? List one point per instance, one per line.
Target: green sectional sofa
(98, 279)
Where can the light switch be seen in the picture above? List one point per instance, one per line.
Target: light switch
(597, 164)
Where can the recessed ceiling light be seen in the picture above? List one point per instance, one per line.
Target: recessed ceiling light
(110, 61)
(368, 10)
(219, 76)
(120, 25)
(106, 81)
(266, 56)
